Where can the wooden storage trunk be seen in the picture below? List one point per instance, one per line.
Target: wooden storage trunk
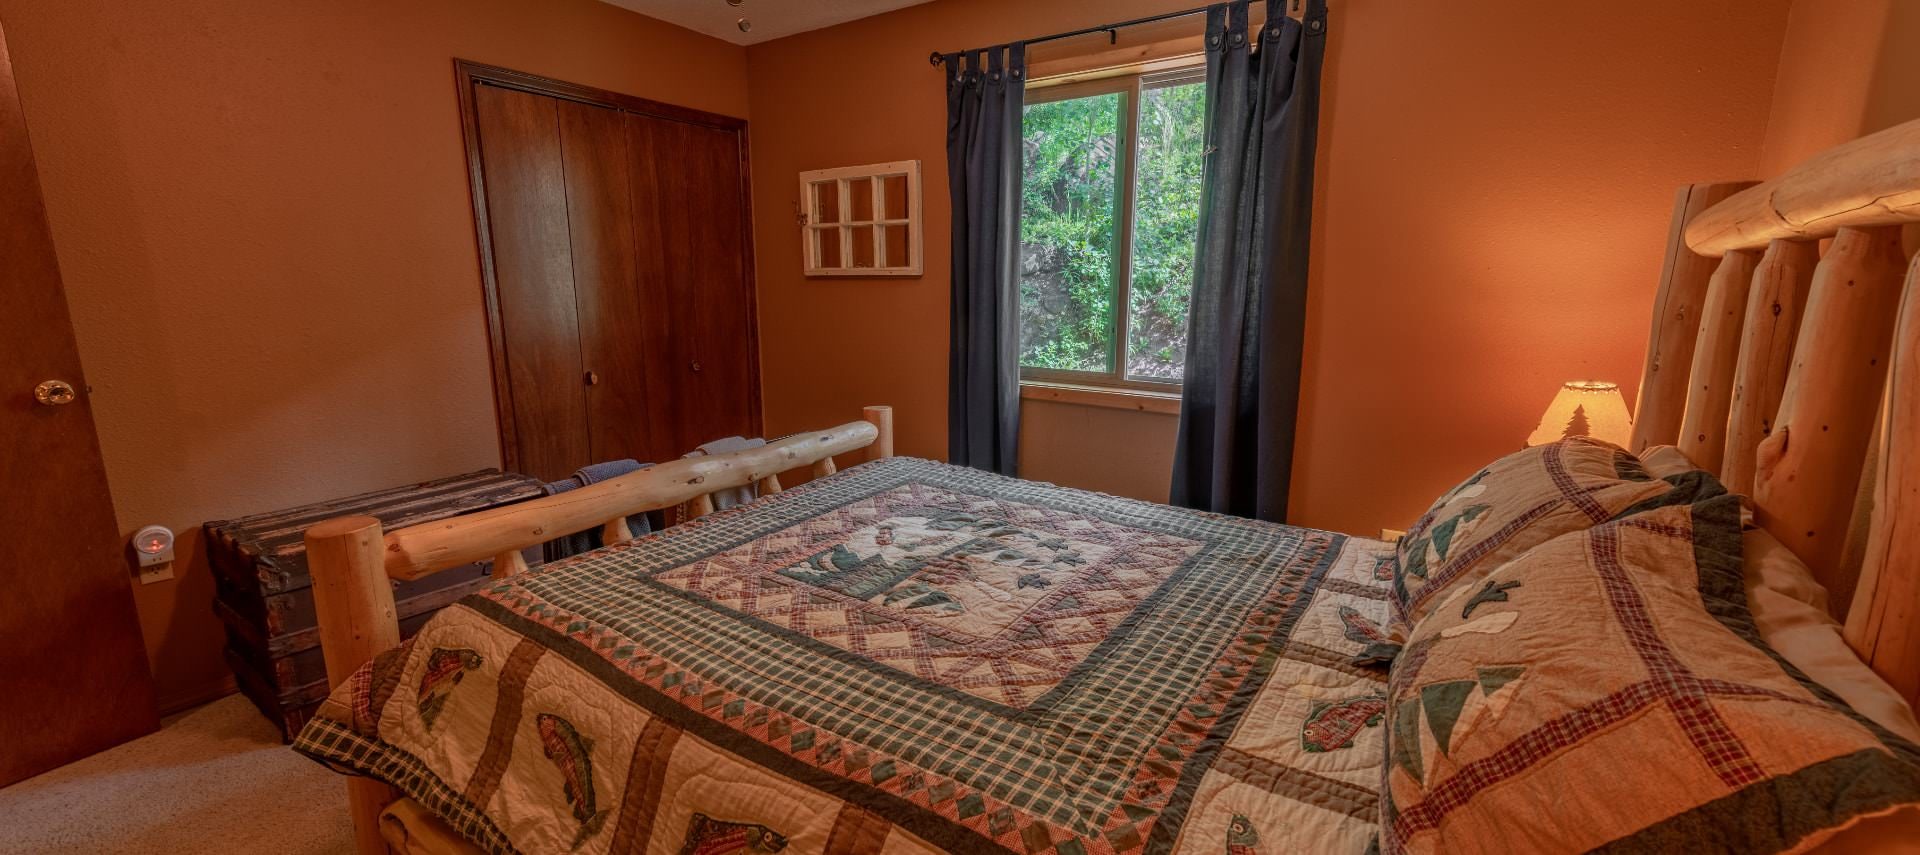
(264, 596)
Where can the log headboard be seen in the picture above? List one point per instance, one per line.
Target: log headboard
(1782, 367)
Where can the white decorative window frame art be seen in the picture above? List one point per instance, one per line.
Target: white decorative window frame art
(861, 220)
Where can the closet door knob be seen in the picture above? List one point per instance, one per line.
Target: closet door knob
(53, 393)
(592, 379)
(695, 365)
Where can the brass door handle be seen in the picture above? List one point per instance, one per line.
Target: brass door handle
(53, 393)
(592, 379)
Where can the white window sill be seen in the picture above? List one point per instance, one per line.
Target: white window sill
(1140, 400)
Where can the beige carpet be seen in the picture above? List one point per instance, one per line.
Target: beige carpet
(214, 779)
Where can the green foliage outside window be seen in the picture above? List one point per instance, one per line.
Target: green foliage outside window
(1069, 208)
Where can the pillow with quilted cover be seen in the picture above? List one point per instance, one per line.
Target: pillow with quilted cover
(1609, 690)
(1516, 503)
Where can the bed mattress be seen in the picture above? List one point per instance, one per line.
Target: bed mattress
(906, 656)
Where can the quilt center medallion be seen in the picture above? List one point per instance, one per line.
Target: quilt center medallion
(995, 598)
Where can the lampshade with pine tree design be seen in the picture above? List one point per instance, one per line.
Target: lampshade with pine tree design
(1585, 408)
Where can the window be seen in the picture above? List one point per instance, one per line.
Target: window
(862, 220)
(1110, 208)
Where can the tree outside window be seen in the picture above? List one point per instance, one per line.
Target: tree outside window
(1110, 208)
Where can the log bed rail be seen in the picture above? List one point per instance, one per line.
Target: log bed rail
(354, 565)
(1776, 365)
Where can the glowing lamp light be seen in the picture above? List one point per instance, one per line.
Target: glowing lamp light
(1585, 408)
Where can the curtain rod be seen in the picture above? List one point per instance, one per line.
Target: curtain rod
(1113, 36)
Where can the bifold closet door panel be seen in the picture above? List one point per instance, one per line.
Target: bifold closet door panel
(521, 160)
(620, 353)
(691, 239)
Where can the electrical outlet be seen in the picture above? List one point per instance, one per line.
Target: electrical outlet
(1391, 534)
(153, 554)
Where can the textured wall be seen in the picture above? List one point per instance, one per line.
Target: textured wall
(263, 220)
(1494, 187)
(1846, 69)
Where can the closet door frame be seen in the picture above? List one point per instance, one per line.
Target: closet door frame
(468, 75)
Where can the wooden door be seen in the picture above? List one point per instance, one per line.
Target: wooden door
(618, 310)
(73, 668)
(694, 252)
(617, 261)
(536, 331)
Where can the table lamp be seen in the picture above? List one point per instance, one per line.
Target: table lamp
(1585, 408)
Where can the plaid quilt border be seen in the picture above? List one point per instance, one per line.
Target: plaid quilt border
(337, 745)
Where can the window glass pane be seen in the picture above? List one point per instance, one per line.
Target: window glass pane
(1067, 288)
(860, 199)
(1166, 221)
(862, 246)
(826, 201)
(898, 243)
(894, 193)
(826, 242)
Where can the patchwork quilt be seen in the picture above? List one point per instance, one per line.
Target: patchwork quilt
(904, 657)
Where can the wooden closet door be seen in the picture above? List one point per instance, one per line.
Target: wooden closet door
(538, 333)
(691, 215)
(616, 346)
(73, 668)
(618, 270)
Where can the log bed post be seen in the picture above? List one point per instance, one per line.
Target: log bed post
(353, 601)
(1807, 472)
(1676, 320)
(882, 420)
(1774, 307)
(354, 563)
(1703, 429)
(1884, 625)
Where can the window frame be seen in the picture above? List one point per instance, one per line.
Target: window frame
(1126, 147)
(813, 230)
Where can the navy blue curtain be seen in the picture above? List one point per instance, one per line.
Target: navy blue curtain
(985, 93)
(1248, 322)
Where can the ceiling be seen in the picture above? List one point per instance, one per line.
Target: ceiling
(771, 19)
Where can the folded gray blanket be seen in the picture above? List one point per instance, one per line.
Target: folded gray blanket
(589, 540)
(725, 499)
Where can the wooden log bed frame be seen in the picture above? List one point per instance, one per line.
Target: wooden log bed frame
(354, 565)
(1770, 363)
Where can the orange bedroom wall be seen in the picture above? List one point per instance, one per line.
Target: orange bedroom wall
(1494, 186)
(1846, 69)
(262, 216)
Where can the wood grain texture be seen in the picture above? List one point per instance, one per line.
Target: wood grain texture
(1871, 181)
(509, 564)
(690, 213)
(1774, 306)
(606, 288)
(423, 549)
(1703, 428)
(1808, 471)
(1884, 625)
(647, 216)
(881, 417)
(519, 137)
(1684, 275)
(357, 623)
(72, 661)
